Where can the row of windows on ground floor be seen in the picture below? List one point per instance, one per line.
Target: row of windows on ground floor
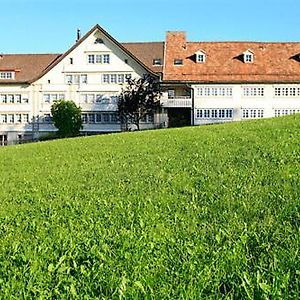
(99, 117)
(247, 113)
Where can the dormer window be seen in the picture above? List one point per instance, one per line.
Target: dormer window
(178, 62)
(156, 62)
(200, 57)
(248, 57)
(7, 75)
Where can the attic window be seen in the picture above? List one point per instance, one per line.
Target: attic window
(156, 62)
(200, 57)
(98, 41)
(7, 75)
(178, 62)
(248, 57)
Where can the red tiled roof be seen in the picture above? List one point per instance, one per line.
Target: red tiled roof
(147, 52)
(273, 62)
(26, 66)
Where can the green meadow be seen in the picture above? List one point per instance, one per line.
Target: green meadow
(209, 212)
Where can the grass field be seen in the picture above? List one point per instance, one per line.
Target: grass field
(206, 212)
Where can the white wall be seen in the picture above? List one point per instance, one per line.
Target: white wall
(267, 102)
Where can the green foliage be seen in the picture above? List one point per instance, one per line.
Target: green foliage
(66, 116)
(139, 98)
(208, 212)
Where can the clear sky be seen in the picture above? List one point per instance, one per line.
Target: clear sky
(49, 26)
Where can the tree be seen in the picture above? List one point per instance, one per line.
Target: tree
(139, 98)
(66, 116)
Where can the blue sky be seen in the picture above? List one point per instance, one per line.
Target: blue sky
(49, 26)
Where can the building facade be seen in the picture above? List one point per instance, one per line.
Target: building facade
(202, 82)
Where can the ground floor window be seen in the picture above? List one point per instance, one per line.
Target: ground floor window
(99, 117)
(214, 113)
(252, 113)
(285, 111)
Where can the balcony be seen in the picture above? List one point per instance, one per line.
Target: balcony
(176, 101)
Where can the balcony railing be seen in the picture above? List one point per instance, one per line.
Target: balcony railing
(177, 101)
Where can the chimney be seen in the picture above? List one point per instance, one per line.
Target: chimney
(176, 39)
(78, 35)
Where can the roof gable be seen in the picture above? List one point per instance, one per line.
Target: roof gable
(80, 41)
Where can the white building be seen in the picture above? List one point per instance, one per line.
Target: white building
(91, 74)
(203, 82)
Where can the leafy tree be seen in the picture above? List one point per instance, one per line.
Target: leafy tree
(66, 116)
(139, 98)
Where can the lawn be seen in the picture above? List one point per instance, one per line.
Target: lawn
(210, 212)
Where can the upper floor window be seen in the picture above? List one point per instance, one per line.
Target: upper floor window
(7, 75)
(178, 62)
(76, 78)
(200, 57)
(13, 98)
(253, 91)
(287, 91)
(115, 78)
(248, 56)
(157, 62)
(98, 58)
(208, 91)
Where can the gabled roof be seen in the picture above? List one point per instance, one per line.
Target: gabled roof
(31, 67)
(107, 35)
(274, 62)
(26, 66)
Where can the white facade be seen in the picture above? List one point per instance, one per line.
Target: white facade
(91, 75)
(225, 103)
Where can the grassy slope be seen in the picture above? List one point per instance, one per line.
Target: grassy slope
(200, 212)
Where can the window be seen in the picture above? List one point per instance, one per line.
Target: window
(3, 98)
(214, 113)
(106, 118)
(115, 78)
(105, 78)
(13, 98)
(248, 56)
(106, 59)
(289, 91)
(25, 118)
(200, 57)
(252, 113)
(91, 118)
(7, 75)
(121, 78)
(253, 92)
(171, 94)
(3, 118)
(178, 62)
(114, 118)
(75, 78)
(83, 78)
(49, 98)
(98, 118)
(91, 59)
(214, 91)
(157, 62)
(98, 41)
(285, 111)
(84, 118)
(98, 58)
(18, 118)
